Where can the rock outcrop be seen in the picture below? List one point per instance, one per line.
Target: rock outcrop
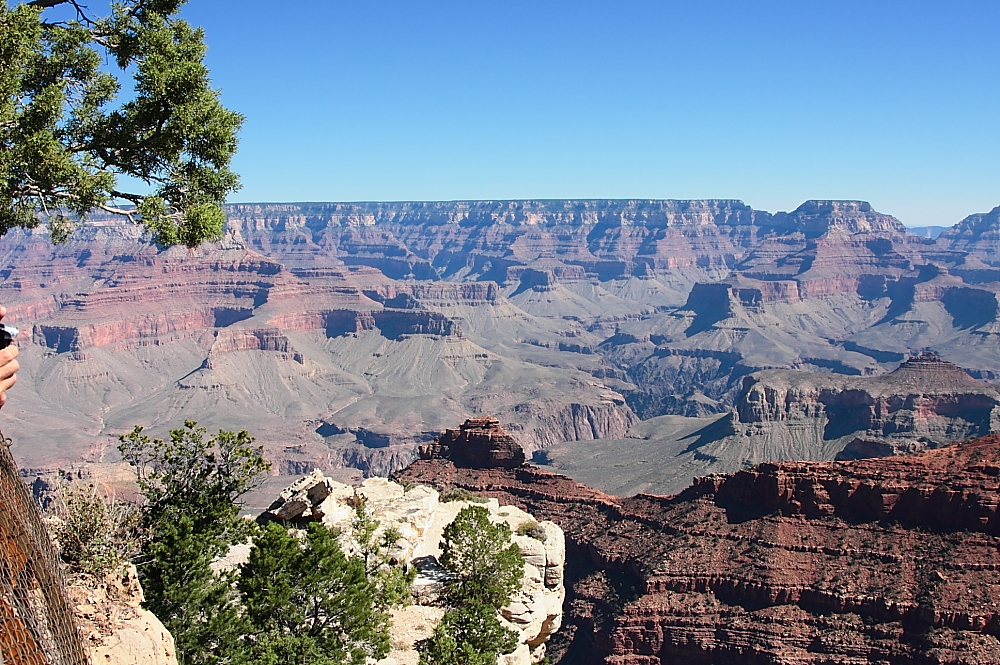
(478, 443)
(420, 517)
(891, 560)
(924, 403)
(978, 235)
(115, 629)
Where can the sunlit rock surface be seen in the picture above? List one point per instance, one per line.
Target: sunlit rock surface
(891, 560)
(416, 512)
(115, 629)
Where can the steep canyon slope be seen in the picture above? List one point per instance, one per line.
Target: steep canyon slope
(346, 334)
(891, 561)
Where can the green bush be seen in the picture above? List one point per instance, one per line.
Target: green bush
(305, 601)
(97, 534)
(532, 530)
(296, 600)
(468, 635)
(488, 570)
(392, 579)
(191, 484)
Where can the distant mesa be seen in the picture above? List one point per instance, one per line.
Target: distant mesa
(478, 443)
(814, 218)
(568, 320)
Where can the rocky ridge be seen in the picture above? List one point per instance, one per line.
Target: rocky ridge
(334, 367)
(924, 403)
(892, 560)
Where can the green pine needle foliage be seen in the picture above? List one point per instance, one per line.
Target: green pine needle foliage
(306, 602)
(468, 635)
(66, 138)
(191, 485)
(299, 599)
(392, 579)
(488, 569)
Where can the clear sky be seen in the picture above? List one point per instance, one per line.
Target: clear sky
(897, 103)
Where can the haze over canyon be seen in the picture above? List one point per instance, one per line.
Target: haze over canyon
(631, 344)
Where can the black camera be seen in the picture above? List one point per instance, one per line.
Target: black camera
(7, 335)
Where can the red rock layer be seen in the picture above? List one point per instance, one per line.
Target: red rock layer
(478, 443)
(894, 561)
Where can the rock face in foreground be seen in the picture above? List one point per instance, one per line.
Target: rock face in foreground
(115, 629)
(893, 560)
(535, 613)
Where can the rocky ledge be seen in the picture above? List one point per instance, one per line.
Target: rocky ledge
(892, 560)
(114, 628)
(420, 517)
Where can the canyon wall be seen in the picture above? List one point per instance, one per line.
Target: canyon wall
(348, 334)
(888, 560)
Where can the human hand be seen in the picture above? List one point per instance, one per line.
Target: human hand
(8, 366)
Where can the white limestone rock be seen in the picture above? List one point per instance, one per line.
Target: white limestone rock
(419, 516)
(115, 630)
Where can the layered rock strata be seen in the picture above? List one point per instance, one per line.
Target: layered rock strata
(329, 329)
(478, 443)
(924, 403)
(792, 415)
(329, 366)
(417, 513)
(891, 560)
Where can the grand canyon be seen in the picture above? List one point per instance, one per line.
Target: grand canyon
(747, 423)
(345, 335)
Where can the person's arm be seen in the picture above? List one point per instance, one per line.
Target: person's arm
(8, 366)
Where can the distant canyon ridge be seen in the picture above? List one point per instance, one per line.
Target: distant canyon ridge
(344, 335)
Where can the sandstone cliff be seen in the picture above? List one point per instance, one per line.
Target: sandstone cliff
(479, 443)
(891, 560)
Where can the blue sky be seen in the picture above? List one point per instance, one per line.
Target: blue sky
(769, 102)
